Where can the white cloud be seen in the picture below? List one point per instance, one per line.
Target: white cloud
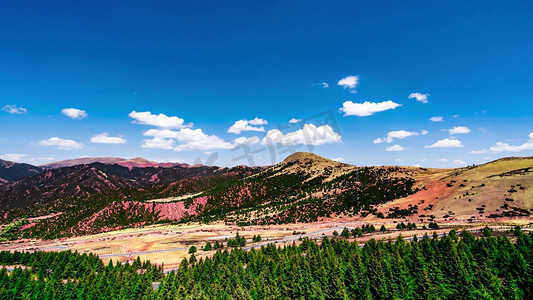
(398, 134)
(482, 151)
(246, 125)
(190, 139)
(246, 141)
(367, 108)
(294, 120)
(61, 144)
(308, 135)
(104, 138)
(324, 85)
(446, 143)
(417, 165)
(13, 109)
(436, 119)
(163, 133)
(395, 148)
(258, 121)
(459, 130)
(160, 120)
(419, 97)
(196, 139)
(459, 162)
(74, 113)
(349, 82)
(25, 158)
(158, 142)
(442, 160)
(339, 159)
(16, 157)
(504, 147)
(399, 160)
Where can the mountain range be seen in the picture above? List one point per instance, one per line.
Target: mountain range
(10, 171)
(95, 197)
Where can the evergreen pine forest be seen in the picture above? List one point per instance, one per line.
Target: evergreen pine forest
(456, 266)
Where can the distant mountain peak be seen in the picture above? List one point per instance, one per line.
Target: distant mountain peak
(137, 162)
(306, 157)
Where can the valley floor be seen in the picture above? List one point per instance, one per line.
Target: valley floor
(168, 245)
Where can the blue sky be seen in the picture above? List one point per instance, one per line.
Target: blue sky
(167, 80)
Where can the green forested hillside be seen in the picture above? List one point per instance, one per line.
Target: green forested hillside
(458, 266)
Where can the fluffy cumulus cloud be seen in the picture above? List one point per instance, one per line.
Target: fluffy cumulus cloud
(74, 113)
(61, 144)
(436, 119)
(338, 159)
(459, 130)
(158, 120)
(248, 125)
(419, 97)
(104, 138)
(366, 108)
(505, 147)
(349, 82)
(196, 139)
(446, 143)
(157, 142)
(246, 141)
(308, 135)
(395, 148)
(13, 109)
(294, 121)
(398, 134)
(190, 139)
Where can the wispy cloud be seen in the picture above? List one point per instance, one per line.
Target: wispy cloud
(398, 134)
(459, 162)
(436, 119)
(25, 158)
(13, 109)
(324, 85)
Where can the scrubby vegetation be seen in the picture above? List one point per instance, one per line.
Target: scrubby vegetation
(457, 266)
(271, 197)
(10, 231)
